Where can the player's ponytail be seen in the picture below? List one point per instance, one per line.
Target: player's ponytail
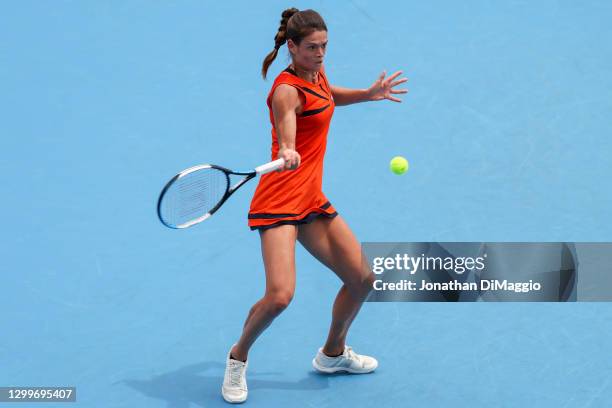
(279, 39)
(294, 26)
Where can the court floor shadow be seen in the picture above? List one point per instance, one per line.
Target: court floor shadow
(200, 384)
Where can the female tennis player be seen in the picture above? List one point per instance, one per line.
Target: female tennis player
(289, 205)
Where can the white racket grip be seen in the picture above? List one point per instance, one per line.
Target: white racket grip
(268, 167)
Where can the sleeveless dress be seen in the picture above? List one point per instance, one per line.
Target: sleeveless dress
(296, 196)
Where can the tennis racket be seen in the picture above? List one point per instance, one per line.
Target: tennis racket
(196, 193)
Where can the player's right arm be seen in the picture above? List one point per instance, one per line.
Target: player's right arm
(285, 105)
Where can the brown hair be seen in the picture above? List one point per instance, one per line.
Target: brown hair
(294, 26)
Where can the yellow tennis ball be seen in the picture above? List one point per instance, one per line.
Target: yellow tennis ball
(399, 165)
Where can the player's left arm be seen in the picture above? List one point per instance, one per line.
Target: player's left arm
(382, 88)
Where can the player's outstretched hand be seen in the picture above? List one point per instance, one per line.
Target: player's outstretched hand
(382, 88)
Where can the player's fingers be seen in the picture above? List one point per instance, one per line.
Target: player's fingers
(286, 157)
(288, 164)
(395, 75)
(399, 81)
(399, 91)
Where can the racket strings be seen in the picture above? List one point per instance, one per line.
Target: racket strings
(193, 196)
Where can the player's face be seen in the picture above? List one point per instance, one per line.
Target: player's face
(311, 51)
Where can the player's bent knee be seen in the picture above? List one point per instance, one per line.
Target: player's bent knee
(367, 283)
(278, 302)
(362, 286)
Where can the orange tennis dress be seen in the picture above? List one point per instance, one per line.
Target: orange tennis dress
(296, 196)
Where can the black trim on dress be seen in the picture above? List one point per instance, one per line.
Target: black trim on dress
(264, 216)
(314, 111)
(306, 220)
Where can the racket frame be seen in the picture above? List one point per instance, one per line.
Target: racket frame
(229, 190)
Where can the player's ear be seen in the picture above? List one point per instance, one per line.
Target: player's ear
(291, 45)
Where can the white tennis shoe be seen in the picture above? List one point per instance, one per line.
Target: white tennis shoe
(234, 388)
(348, 361)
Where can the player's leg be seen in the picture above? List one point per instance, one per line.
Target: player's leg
(278, 250)
(332, 242)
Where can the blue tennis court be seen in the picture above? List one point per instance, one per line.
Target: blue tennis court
(507, 129)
